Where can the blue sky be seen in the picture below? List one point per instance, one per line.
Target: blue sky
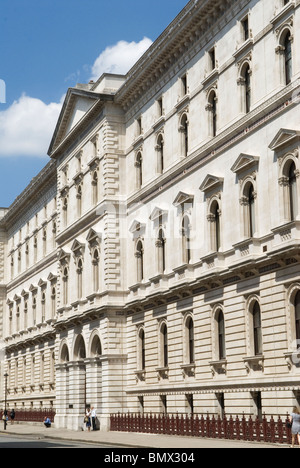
(47, 46)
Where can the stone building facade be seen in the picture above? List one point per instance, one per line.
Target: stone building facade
(153, 265)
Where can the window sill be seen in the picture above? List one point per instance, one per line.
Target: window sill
(254, 363)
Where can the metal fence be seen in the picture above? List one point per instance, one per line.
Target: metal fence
(214, 427)
(33, 415)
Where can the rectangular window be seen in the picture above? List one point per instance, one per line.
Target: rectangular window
(212, 59)
(245, 28)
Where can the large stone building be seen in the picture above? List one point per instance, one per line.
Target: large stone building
(153, 265)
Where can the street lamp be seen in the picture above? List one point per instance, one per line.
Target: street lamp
(5, 402)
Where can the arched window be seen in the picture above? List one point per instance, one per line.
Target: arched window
(186, 240)
(140, 261)
(213, 114)
(79, 200)
(79, 349)
(53, 302)
(161, 251)
(221, 335)
(79, 278)
(141, 350)
(96, 270)
(43, 306)
(248, 204)
(139, 170)
(95, 188)
(297, 317)
(64, 355)
(293, 197)
(164, 343)
(65, 211)
(190, 340)
(65, 279)
(184, 129)
(96, 348)
(246, 76)
(288, 58)
(160, 154)
(215, 226)
(257, 329)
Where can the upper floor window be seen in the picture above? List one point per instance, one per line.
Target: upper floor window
(190, 340)
(257, 329)
(221, 335)
(297, 317)
(213, 113)
(212, 59)
(184, 86)
(184, 130)
(293, 196)
(245, 28)
(160, 154)
(161, 251)
(164, 345)
(141, 350)
(288, 58)
(139, 170)
(186, 240)
(215, 226)
(285, 53)
(140, 261)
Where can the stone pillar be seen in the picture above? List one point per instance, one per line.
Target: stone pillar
(77, 395)
(113, 388)
(94, 383)
(62, 395)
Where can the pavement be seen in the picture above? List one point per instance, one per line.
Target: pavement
(127, 440)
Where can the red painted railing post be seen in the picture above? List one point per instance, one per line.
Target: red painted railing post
(272, 430)
(238, 428)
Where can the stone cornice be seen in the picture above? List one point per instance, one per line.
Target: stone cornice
(33, 192)
(183, 35)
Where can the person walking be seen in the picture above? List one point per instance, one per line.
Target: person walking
(295, 421)
(12, 416)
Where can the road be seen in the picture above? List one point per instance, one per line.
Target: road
(12, 442)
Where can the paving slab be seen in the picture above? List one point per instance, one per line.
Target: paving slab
(130, 440)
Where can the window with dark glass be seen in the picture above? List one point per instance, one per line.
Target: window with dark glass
(257, 329)
(221, 336)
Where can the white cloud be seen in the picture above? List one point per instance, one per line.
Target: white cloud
(120, 57)
(27, 126)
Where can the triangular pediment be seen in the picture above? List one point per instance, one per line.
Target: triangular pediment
(93, 236)
(63, 255)
(52, 277)
(183, 198)
(244, 162)
(137, 227)
(283, 138)
(157, 213)
(77, 104)
(78, 246)
(211, 182)
(42, 283)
